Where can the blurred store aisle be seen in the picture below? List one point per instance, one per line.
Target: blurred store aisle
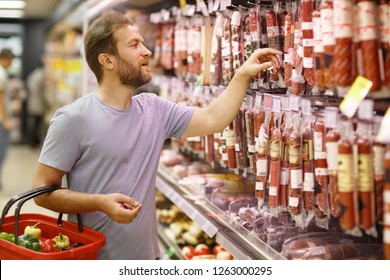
(18, 173)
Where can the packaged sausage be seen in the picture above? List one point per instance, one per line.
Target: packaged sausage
(295, 163)
(347, 188)
(273, 34)
(308, 159)
(384, 28)
(216, 58)
(319, 59)
(379, 151)
(288, 44)
(236, 40)
(250, 133)
(274, 154)
(334, 251)
(386, 206)
(365, 178)
(262, 152)
(342, 59)
(368, 30)
(226, 49)
(230, 137)
(321, 166)
(328, 40)
(307, 41)
(284, 163)
(332, 138)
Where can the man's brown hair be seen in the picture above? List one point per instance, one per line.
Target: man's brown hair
(99, 39)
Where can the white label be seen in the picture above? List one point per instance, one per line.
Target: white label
(293, 201)
(308, 183)
(237, 147)
(319, 155)
(224, 156)
(318, 46)
(261, 166)
(317, 31)
(212, 68)
(343, 18)
(308, 62)
(259, 186)
(386, 197)
(284, 176)
(379, 160)
(318, 142)
(327, 21)
(308, 42)
(273, 191)
(288, 58)
(251, 148)
(332, 150)
(367, 20)
(296, 178)
(307, 25)
(321, 171)
(384, 23)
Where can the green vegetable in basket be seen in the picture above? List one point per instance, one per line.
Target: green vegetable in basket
(62, 241)
(7, 236)
(29, 241)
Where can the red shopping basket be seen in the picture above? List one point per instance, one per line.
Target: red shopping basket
(85, 242)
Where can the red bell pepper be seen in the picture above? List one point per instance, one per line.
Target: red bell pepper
(48, 245)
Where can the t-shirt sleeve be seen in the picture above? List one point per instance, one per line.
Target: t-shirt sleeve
(175, 117)
(61, 148)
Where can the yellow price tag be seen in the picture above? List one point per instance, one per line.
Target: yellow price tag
(355, 95)
(182, 3)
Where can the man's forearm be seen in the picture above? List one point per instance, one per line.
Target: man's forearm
(70, 202)
(3, 111)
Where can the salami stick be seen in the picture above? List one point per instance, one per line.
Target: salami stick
(274, 176)
(379, 178)
(346, 180)
(273, 35)
(365, 183)
(307, 41)
(308, 168)
(318, 50)
(332, 138)
(386, 208)
(328, 40)
(368, 40)
(321, 166)
(288, 47)
(343, 11)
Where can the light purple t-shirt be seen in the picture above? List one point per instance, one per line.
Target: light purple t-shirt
(105, 150)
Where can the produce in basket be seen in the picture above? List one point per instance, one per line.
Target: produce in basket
(7, 236)
(62, 241)
(48, 245)
(29, 241)
(34, 230)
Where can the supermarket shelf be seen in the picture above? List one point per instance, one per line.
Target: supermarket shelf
(237, 241)
(169, 244)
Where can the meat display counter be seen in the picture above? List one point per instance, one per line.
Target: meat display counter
(233, 237)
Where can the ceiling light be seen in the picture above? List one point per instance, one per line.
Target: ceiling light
(11, 13)
(12, 4)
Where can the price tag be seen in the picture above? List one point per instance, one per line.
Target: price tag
(383, 135)
(355, 95)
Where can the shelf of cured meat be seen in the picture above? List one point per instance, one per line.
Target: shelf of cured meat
(224, 205)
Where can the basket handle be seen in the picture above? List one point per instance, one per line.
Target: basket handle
(26, 196)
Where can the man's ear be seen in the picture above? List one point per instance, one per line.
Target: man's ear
(106, 61)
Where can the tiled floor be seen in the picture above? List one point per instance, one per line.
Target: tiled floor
(18, 173)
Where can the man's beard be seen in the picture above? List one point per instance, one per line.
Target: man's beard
(130, 75)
